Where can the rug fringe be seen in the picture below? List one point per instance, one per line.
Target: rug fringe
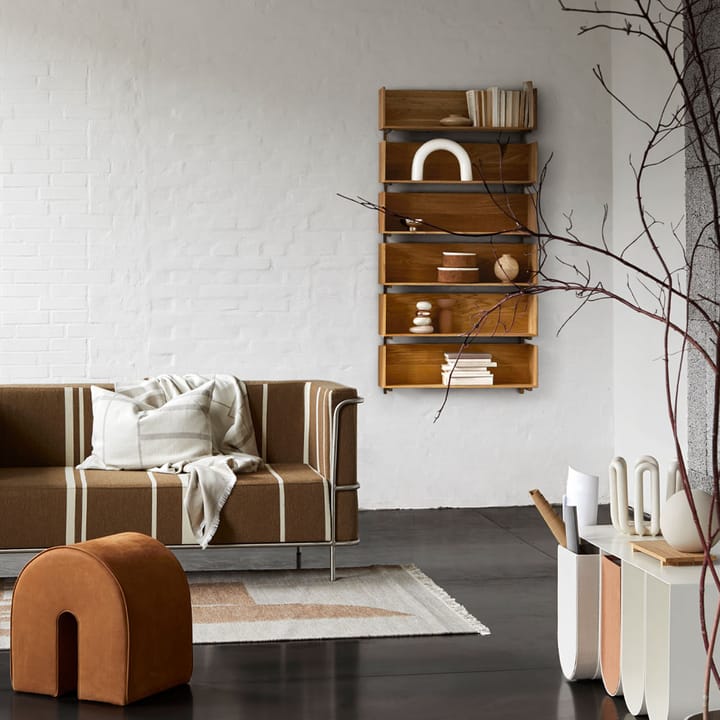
(447, 599)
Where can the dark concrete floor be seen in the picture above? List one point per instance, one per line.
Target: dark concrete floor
(498, 562)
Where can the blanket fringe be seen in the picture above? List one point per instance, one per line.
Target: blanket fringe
(209, 533)
(448, 600)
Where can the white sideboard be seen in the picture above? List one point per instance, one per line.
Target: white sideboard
(662, 658)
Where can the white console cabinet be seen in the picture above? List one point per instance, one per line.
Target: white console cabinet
(662, 658)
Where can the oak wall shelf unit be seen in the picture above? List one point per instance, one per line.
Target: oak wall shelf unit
(489, 214)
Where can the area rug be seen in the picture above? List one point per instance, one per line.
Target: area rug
(261, 606)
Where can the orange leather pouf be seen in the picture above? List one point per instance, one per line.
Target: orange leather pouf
(109, 617)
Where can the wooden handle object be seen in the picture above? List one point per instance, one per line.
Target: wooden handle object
(551, 518)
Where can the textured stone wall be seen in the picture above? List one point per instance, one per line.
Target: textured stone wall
(706, 282)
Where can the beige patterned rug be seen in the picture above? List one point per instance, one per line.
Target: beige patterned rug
(260, 606)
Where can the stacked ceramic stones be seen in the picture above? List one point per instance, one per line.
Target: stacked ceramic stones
(422, 322)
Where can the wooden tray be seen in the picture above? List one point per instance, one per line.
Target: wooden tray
(666, 554)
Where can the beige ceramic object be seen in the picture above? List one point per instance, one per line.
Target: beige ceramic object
(676, 520)
(456, 120)
(506, 268)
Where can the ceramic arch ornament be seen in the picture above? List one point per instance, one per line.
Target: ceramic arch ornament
(421, 154)
(645, 465)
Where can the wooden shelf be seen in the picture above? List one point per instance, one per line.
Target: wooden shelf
(513, 164)
(418, 365)
(414, 264)
(515, 318)
(473, 213)
(422, 110)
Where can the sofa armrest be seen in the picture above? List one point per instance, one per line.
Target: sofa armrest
(331, 409)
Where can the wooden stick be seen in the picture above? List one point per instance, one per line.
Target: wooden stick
(551, 518)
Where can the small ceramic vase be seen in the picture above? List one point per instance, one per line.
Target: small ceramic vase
(506, 268)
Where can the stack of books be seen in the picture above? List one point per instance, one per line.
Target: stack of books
(496, 108)
(467, 368)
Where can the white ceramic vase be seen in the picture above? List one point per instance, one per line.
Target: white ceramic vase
(676, 520)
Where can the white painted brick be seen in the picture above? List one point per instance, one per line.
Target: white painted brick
(32, 180)
(60, 249)
(63, 193)
(34, 208)
(33, 221)
(22, 263)
(14, 69)
(27, 98)
(68, 98)
(65, 137)
(93, 278)
(18, 194)
(35, 125)
(68, 152)
(18, 358)
(66, 357)
(38, 276)
(25, 318)
(86, 166)
(68, 345)
(67, 207)
(8, 304)
(73, 373)
(68, 125)
(69, 180)
(7, 249)
(37, 166)
(87, 221)
(39, 331)
(19, 138)
(24, 152)
(69, 262)
(60, 83)
(23, 345)
(66, 317)
(21, 289)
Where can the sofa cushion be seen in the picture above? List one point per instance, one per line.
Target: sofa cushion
(57, 505)
(131, 434)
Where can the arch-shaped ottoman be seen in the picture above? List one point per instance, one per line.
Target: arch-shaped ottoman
(110, 617)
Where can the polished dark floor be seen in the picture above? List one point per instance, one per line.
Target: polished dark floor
(498, 562)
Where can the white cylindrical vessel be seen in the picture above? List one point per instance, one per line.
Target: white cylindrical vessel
(578, 614)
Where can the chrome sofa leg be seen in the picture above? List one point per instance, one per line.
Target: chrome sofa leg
(332, 563)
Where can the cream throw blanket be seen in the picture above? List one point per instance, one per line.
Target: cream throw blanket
(211, 479)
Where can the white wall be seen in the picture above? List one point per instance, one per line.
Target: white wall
(168, 171)
(642, 78)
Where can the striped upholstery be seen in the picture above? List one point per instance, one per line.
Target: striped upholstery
(44, 501)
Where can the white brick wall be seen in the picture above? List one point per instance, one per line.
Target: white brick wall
(168, 171)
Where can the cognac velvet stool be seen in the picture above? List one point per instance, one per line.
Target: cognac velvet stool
(109, 617)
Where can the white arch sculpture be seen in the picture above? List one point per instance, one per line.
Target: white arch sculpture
(418, 163)
(619, 496)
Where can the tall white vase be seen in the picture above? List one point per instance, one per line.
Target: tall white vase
(582, 492)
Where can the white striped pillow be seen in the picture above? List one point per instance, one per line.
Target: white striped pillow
(132, 435)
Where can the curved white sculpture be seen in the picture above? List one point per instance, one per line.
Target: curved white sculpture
(647, 463)
(619, 496)
(674, 480)
(418, 163)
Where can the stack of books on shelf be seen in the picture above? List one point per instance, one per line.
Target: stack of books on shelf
(467, 368)
(496, 108)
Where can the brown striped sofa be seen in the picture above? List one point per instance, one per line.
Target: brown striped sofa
(306, 433)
